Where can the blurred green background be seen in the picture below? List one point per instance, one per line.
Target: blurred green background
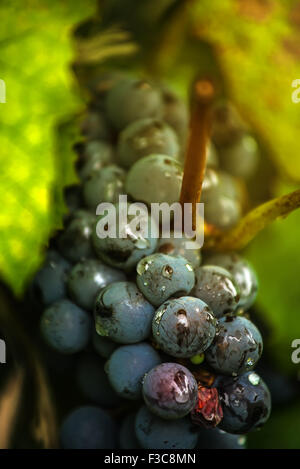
(251, 48)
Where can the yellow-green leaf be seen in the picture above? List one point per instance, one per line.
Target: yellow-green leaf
(257, 44)
(35, 52)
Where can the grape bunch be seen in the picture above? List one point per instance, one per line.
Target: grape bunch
(152, 323)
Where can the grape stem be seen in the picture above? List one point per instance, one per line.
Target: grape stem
(195, 159)
(253, 222)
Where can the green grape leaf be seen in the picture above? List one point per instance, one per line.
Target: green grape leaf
(35, 52)
(257, 46)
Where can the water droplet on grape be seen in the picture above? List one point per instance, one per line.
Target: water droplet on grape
(160, 314)
(142, 267)
(142, 243)
(100, 329)
(167, 271)
(250, 362)
(254, 379)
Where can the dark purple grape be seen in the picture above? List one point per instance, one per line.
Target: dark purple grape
(93, 382)
(155, 433)
(102, 345)
(216, 287)
(49, 283)
(243, 274)
(246, 402)
(160, 277)
(88, 427)
(87, 278)
(237, 346)
(65, 327)
(127, 437)
(127, 366)
(170, 390)
(74, 242)
(184, 327)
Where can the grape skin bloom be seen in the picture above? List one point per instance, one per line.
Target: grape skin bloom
(160, 276)
(127, 367)
(66, 327)
(123, 314)
(49, 284)
(155, 179)
(87, 278)
(145, 137)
